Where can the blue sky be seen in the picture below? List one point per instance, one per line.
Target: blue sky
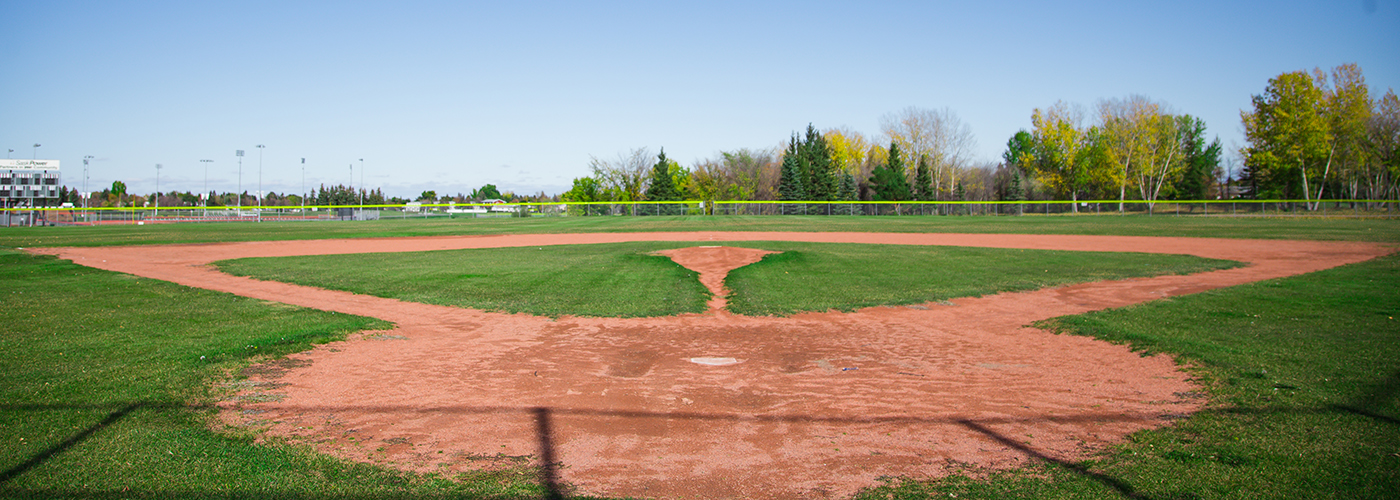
(453, 95)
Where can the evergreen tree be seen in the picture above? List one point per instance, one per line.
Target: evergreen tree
(662, 186)
(1015, 192)
(889, 180)
(791, 176)
(819, 174)
(923, 181)
(1201, 161)
(848, 190)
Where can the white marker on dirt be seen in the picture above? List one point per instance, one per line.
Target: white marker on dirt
(714, 361)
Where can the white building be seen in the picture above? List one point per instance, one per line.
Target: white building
(29, 183)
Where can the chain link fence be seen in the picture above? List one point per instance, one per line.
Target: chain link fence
(1191, 208)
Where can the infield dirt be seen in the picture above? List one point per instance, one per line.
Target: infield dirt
(817, 405)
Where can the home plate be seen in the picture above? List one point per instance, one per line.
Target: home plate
(714, 361)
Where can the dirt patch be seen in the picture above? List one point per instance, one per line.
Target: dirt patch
(274, 369)
(714, 263)
(821, 405)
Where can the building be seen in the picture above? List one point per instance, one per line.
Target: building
(29, 183)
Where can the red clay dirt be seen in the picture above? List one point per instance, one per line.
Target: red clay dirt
(817, 405)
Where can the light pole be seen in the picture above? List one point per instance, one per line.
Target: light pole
(239, 194)
(205, 196)
(303, 187)
(85, 182)
(362, 184)
(7, 155)
(158, 167)
(36, 150)
(260, 193)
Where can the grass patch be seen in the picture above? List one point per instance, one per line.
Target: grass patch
(624, 280)
(845, 277)
(1304, 379)
(614, 280)
(1215, 227)
(105, 394)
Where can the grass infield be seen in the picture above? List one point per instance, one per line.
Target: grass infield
(570, 279)
(1211, 227)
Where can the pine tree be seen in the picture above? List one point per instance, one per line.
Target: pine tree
(791, 176)
(662, 186)
(1015, 192)
(923, 181)
(820, 177)
(848, 189)
(889, 180)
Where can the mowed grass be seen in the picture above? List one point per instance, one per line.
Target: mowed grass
(614, 280)
(845, 277)
(1280, 424)
(1210, 227)
(627, 280)
(1303, 375)
(105, 394)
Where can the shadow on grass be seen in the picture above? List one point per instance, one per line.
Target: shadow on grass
(544, 429)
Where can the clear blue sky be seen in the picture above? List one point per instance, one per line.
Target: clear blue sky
(452, 95)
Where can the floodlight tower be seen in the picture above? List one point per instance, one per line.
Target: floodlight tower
(205, 196)
(260, 193)
(303, 187)
(158, 167)
(85, 182)
(362, 184)
(36, 150)
(239, 194)
(7, 155)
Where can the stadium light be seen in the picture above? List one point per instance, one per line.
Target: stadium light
(85, 182)
(158, 167)
(205, 196)
(362, 184)
(239, 194)
(260, 193)
(36, 150)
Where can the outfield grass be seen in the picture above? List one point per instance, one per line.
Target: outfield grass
(825, 276)
(1386, 230)
(106, 394)
(624, 279)
(1303, 375)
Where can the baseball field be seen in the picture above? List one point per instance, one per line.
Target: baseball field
(703, 357)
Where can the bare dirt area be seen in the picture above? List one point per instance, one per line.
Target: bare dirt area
(716, 405)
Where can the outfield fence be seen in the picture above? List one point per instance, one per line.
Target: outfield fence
(1188, 208)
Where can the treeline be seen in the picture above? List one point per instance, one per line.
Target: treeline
(1309, 137)
(835, 164)
(1135, 149)
(1314, 137)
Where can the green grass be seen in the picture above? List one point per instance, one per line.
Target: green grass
(1303, 375)
(824, 276)
(1303, 395)
(105, 394)
(583, 280)
(1218, 227)
(624, 280)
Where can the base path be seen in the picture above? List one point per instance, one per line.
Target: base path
(716, 405)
